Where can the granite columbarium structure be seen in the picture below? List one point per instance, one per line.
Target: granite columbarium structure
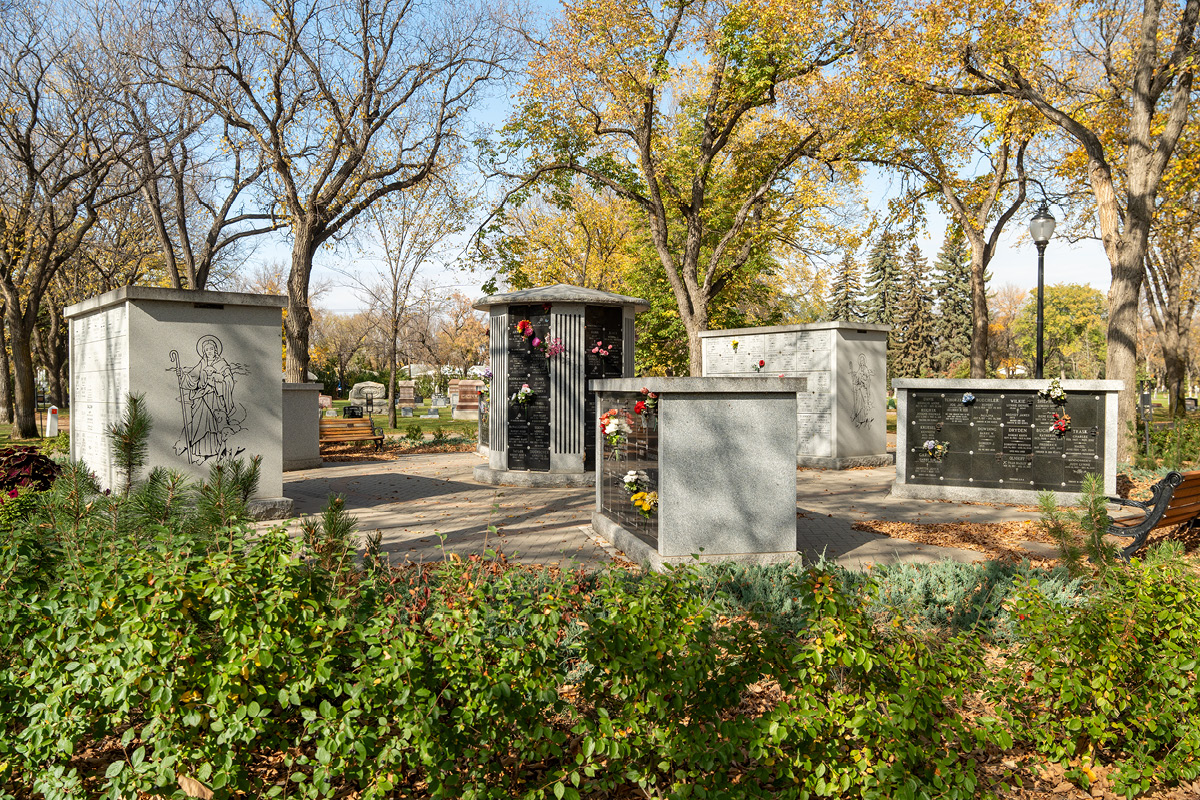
(545, 345)
(209, 365)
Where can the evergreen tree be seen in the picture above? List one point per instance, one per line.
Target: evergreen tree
(883, 269)
(911, 350)
(952, 289)
(845, 295)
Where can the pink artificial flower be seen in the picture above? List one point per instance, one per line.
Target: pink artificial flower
(536, 341)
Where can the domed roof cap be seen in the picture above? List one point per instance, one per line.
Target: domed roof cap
(560, 293)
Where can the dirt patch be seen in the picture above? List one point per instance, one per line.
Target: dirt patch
(998, 540)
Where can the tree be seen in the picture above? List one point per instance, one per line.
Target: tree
(582, 238)
(1004, 353)
(57, 154)
(339, 338)
(408, 228)
(951, 285)
(911, 345)
(1118, 88)
(697, 113)
(845, 292)
(883, 274)
(348, 101)
(1073, 331)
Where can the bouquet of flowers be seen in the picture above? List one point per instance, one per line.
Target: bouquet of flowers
(616, 425)
(1061, 424)
(524, 395)
(935, 449)
(602, 349)
(645, 502)
(555, 347)
(734, 343)
(1054, 392)
(968, 398)
(647, 405)
(758, 367)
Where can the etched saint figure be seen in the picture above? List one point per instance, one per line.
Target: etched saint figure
(863, 404)
(211, 416)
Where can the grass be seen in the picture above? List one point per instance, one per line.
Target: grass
(455, 426)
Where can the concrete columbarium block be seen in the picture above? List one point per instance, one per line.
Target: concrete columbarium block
(209, 365)
(545, 345)
(843, 418)
(302, 425)
(1002, 440)
(713, 458)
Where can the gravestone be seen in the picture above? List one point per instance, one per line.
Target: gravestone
(452, 391)
(439, 401)
(1189, 404)
(406, 411)
(369, 393)
(468, 400)
(406, 394)
(1000, 443)
(207, 364)
(324, 401)
(843, 415)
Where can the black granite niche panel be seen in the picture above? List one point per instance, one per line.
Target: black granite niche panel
(1004, 440)
(528, 423)
(484, 421)
(601, 324)
(639, 452)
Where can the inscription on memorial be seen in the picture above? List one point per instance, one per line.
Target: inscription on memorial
(99, 383)
(1004, 440)
(529, 422)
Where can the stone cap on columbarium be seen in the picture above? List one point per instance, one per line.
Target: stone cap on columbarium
(807, 326)
(127, 293)
(560, 293)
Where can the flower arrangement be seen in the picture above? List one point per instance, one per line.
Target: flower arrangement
(1054, 392)
(555, 347)
(616, 424)
(601, 349)
(633, 479)
(523, 396)
(968, 398)
(525, 328)
(935, 449)
(758, 367)
(647, 405)
(645, 502)
(735, 344)
(1061, 424)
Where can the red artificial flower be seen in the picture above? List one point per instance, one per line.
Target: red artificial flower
(639, 407)
(762, 363)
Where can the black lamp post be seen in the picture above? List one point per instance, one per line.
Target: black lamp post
(1041, 228)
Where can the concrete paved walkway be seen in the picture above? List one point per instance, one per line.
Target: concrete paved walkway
(428, 505)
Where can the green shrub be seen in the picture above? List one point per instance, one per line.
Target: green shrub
(1113, 680)
(1082, 532)
(414, 434)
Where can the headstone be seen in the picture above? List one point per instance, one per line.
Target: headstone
(430, 416)
(352, 412)
(207, 364)
(406, 411)
(369, 393)
(439, 401)
(468, 400)
(324, 401)
(452, 391)
(331, 412)
(406, 394)
(1189, 404)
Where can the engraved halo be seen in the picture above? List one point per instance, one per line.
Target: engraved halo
(207, 338)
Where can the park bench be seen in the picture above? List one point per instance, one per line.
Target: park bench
(354, 429)
(1175, 500)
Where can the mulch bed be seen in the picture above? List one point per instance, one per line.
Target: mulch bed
(391, 450)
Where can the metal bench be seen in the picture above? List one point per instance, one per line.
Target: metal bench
(1175, 500)
(359, 429)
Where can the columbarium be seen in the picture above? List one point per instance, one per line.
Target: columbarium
(546, 344)
(209, 366)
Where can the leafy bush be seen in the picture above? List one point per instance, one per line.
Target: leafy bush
(1114, 680)
(414, 434)
(60, 444)
(26, 466)
(1176, 446)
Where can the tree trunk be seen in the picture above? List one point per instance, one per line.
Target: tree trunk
(54, 356)
(979, 310)
(299, 318)
(6, 389)
(1121, 363)
(24, 387)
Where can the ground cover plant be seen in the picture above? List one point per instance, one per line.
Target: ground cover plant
(153, 643)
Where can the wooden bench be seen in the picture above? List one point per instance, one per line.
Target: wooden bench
(360, 429)
(1175, 500)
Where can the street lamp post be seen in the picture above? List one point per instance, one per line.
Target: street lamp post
(1041, 228)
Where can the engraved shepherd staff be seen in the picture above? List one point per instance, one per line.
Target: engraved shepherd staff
(183, 403)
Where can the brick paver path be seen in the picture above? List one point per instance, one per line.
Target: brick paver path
(428, 505)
